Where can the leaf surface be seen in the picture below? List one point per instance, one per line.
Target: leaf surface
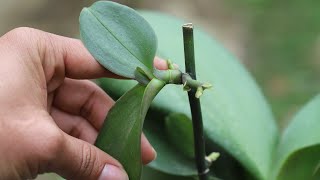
(302, 164)
(118, 37)
(169, 159)
(121, 132)
(298, 154)
(180, 133)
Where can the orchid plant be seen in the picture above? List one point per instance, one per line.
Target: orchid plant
(238, 122)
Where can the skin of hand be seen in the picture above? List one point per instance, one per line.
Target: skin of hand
(49, 115)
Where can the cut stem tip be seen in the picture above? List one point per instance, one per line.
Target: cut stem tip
(188, 25)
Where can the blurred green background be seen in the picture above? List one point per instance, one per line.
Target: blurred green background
(278, 41)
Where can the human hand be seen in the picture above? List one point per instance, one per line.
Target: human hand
(49, 117)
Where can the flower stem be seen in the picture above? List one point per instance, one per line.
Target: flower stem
(199, 142)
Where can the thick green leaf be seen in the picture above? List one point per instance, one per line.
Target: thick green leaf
(120, 134)
(303, 164)
(169, 159)
(121, 131)
(118, 37)
(180, 133)
(298, 154)
(236, 114)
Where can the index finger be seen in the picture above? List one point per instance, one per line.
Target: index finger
(78, 62)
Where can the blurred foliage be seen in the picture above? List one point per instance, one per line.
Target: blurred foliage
(282, 50)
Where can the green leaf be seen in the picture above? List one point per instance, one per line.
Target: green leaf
(121, 131)
(298, 154)
(120, 134)
(180, 133)
(169, 159)
(303, 164)
(235, 113)
(118, 37)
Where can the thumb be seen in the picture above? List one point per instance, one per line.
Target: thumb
(81, 160)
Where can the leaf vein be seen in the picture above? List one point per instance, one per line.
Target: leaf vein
(113, 35)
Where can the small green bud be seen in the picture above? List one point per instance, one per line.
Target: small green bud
(206, 86)
(170, 64)
(212, 157)
(199, 92)
(186, 88)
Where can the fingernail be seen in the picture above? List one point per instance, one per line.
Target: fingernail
(155, 154)
(111, 172)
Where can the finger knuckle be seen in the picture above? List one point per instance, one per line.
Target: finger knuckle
(23, 40)
(88, 161)
(21, 34)
(86, 110)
